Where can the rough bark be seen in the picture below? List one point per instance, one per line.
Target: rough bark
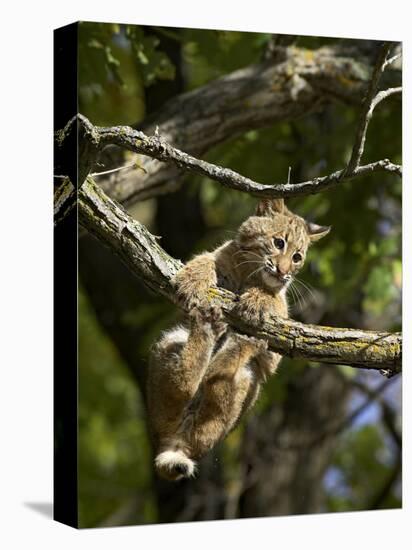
(65, 199)
(143, 255)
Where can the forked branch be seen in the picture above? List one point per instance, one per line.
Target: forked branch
(371, 100)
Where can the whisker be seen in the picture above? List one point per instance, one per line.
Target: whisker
(256, 271)
(241, 251)
(246, 251)
(305, 283)
(254, 253)
(249, 262)
(293, 293)
(305, 299)
(302, 295)
(307, 288)
(301, 299)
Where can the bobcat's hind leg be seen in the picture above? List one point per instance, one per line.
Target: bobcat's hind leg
(228, 384)
(178, 363)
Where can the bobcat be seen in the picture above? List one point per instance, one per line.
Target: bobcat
(203, 376)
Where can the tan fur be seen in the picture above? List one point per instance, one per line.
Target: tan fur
(202, 376)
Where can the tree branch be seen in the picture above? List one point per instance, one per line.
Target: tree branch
(142, 254)
(342, 425)
(378, 500)
(65, 199)
(156, 147)
(370, 101)
(253, 97)
(388, 413)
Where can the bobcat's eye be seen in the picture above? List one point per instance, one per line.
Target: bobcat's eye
(297, 257)
(279, 243)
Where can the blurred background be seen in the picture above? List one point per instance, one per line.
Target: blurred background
(321, 438)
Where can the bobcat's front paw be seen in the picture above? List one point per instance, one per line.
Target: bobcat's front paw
(253, 306)
(190, 294)
(193, 301)
(208, 315)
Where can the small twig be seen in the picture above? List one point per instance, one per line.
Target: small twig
(392, 60)
(378, 501)
(367, 110)
(133, 165)
(343, 425)
(383, 94)
(289, 173)
(388, 414)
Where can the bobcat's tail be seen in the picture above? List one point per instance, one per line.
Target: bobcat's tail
(174, 465)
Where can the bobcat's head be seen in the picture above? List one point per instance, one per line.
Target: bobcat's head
(273, 244)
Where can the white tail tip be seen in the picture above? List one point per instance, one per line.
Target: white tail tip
(174, 465)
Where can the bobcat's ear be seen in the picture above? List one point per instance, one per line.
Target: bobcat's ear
(316, 232)
(269, 207)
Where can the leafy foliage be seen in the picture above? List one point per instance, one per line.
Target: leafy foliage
(152, 63)
(110, 87)
(112, 429)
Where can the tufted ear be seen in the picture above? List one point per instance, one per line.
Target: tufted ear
(316, 232)
(269, 207)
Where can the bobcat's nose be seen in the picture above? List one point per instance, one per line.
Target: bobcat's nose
(283, 274)
(283, 268)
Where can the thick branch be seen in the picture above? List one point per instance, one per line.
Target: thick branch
(141, 252)
(65, 199)
(77, 136)
(156, 147)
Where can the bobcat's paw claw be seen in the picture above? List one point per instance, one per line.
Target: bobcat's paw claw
(209, 317)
